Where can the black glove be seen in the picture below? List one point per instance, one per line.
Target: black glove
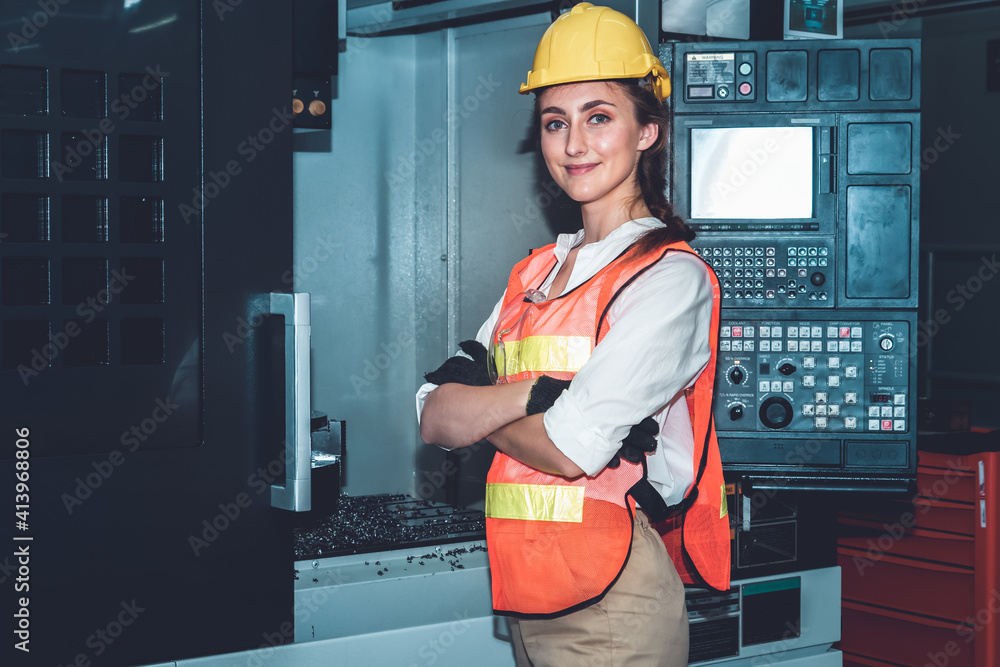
(462, 370)
(544, 393)
(641, 440)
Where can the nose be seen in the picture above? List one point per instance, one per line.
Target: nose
(576, 141)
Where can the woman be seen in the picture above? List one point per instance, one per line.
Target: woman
(594, 335)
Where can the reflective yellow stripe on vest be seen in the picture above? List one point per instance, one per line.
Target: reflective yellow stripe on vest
(535, 502)
(542, 354)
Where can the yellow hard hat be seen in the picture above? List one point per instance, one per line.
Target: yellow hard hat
(591, 43)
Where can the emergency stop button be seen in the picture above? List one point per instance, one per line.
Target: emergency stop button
(745, 88)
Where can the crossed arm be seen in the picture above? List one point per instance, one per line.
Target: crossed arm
(456, 415)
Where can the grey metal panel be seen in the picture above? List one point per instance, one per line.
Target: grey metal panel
(354, 240)
(502, 210)
(453, 644)
(388, 590)
(860, 224)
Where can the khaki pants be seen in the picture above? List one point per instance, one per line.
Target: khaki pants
(641, 621)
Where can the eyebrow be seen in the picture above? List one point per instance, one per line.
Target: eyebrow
(584, 107)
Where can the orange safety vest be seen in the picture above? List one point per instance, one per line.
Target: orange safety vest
(556, 544)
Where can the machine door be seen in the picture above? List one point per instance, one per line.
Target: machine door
(145, 201)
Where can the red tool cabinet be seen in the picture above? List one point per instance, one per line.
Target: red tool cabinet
(921, 586)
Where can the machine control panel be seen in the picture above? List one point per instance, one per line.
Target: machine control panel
(842, 376)
(720, 76)
(776, 273)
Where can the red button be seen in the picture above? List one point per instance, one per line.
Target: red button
(845, 332)
(745, 88)
(886, 424)
(737, 332)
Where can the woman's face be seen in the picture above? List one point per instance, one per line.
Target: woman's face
(591, 141)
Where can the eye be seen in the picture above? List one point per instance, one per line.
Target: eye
(555, 125)
(600, 118)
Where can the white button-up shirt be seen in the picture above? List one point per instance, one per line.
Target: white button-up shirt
(656, 346)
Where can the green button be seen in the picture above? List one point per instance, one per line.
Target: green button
(745, 69)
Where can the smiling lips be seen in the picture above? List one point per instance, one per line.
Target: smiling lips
(579, 169)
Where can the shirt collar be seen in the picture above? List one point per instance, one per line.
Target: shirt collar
(623, 236)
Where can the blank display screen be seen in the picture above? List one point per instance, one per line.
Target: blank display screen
(756, 173)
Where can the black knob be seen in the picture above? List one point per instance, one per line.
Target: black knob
(776, 412)
(736, 413)
(737, 375)
(786, 368)
(817, 279)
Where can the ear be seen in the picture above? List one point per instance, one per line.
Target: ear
(650, 133)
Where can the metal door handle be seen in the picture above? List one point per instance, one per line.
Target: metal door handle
(296, 493)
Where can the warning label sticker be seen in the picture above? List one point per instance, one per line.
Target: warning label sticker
(710, 68)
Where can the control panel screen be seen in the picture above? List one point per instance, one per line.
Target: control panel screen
(755, 173)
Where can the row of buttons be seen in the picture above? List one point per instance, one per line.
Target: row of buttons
(803, 331)
(873, 424)
(726, 262)
(753, 273)
(791, 346)
(811, 261)
(886, 411)
(886, 424)
(809, 381)
(770, 294)
(738, 252)
(813, 251)
(811, 410)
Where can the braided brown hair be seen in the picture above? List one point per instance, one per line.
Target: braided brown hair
(652, 171)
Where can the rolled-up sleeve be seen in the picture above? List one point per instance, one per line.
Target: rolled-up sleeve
(657, 345)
